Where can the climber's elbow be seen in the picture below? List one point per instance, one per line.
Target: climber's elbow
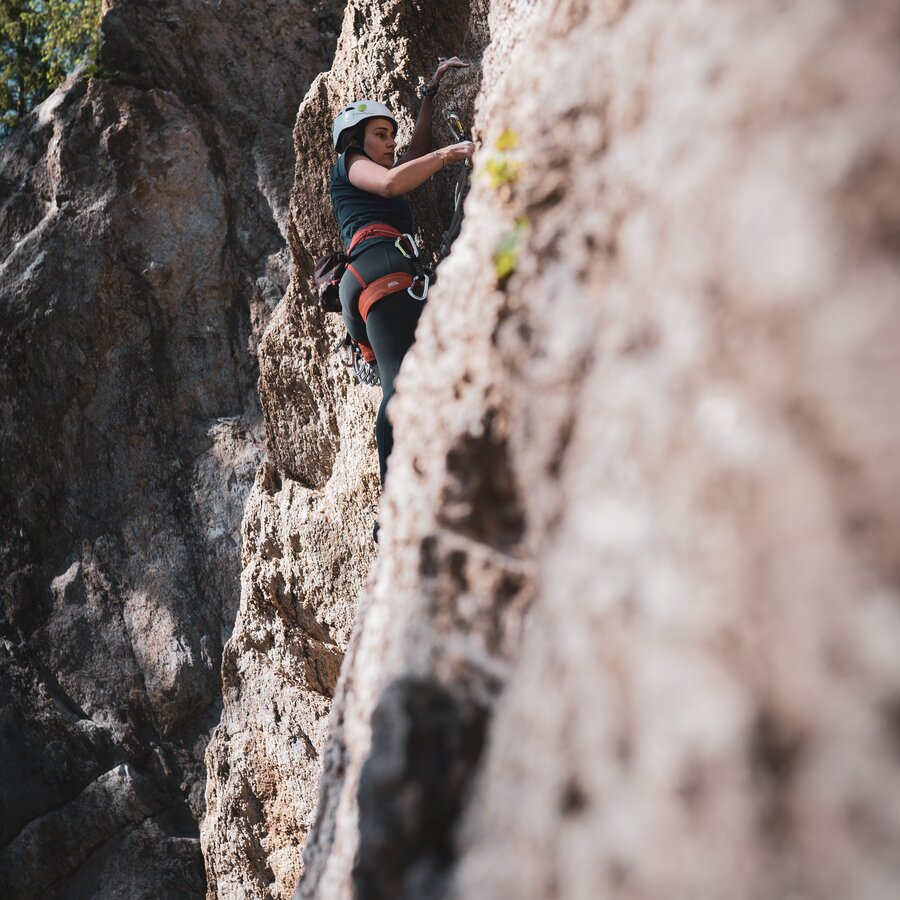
(389, 187)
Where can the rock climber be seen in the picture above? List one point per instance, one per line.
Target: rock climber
(368, 193)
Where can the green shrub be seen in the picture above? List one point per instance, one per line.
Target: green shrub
(42, 41)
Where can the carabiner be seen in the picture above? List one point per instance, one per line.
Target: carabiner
(412, 245)
(423, 277)
(339, 348)
(455, 126)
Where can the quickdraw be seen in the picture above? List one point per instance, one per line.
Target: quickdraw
(459, 192)
(421, 275)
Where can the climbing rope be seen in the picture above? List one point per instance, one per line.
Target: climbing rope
(458, 133)
(460, 190)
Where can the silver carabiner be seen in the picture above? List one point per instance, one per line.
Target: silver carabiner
(340, 347)
(455, 126)
(424, 293)
(412, 243)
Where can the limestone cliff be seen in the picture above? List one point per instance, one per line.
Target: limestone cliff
(143, 221)
(631, 628)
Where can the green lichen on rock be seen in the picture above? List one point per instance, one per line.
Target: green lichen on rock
(506, 254)
(503, 169)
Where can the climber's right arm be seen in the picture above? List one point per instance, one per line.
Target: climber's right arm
(369, 176)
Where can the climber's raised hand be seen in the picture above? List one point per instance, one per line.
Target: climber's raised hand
(453, 63)
(420, 143)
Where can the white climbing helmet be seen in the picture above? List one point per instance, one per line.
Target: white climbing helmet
(357, 112)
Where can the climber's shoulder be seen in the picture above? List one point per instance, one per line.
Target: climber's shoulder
(346, 160)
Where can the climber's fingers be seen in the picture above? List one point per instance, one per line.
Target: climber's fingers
(453, 63)
(461, 152)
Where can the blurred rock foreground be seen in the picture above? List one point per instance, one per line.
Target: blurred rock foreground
(631, 629)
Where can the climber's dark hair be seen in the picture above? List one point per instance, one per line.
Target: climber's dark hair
(354, 135)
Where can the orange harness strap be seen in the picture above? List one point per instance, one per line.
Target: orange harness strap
(356, 275)
(381, 287)
(376, 229)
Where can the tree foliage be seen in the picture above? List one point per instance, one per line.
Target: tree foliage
(41, 41)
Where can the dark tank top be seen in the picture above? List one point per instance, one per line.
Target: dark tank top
(355, 208)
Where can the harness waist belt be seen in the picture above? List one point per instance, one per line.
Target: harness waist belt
(376, 229)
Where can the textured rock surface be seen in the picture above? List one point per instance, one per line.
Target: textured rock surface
(631, 630)
(307, 543)
(632, 626)
(142, 233)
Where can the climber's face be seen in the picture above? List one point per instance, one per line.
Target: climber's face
(379, 141)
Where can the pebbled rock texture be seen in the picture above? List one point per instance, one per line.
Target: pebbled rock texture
(307, 531)
(631, 630)
(143, 221)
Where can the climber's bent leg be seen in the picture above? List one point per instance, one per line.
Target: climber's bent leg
(350, 290)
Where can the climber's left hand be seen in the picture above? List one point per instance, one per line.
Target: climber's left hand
(453, 63)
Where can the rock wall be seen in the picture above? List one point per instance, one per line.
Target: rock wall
(143, 222)
(631, 627)
(307, 531)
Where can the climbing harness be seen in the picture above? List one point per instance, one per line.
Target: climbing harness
(393, 282)
(357, 355)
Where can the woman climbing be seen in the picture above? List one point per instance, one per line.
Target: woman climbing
(380, 291)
